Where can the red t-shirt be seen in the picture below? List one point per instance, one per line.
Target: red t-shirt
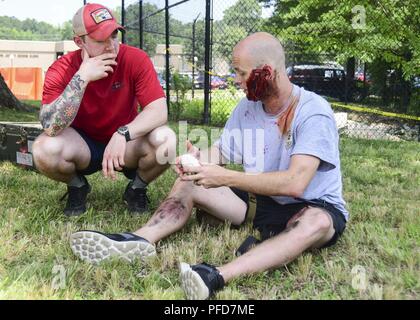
(110, 102)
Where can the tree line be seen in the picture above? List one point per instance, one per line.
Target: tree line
(377, 36)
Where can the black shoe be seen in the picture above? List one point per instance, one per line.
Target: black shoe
(94, 246)
(200, 281)
(76, 201)
(136, 199)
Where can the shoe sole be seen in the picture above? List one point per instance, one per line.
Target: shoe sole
(192, 284)
(94, 247)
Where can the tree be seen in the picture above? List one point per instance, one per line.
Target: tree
(67, 31)
(153, 28)
(350, 30)
(181, 84)
(245, 14)
(8, 100)
(199, 43)
(12, 28)
(239, 20)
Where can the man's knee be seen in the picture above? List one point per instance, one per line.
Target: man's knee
(182, 186)
(316, 221)
(47, 150)
(163, 141)
(162, 135)
(187, 190)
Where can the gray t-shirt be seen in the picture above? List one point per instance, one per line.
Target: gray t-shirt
(252, 138)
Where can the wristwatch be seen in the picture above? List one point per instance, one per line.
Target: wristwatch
(124, 132)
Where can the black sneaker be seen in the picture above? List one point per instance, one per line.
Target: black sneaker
(136, 199)
(200, 281)
(94, 246)
(76, 200)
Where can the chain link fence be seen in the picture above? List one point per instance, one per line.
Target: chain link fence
(327, 47)
(173, 35)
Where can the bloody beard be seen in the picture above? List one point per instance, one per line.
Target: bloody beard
(260, 84)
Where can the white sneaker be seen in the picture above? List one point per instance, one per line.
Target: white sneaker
(94, 246)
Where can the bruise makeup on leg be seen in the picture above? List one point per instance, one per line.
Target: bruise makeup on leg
(171, 209)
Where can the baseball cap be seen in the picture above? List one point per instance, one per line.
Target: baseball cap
(95, 20)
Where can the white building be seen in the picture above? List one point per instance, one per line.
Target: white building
(25, 53)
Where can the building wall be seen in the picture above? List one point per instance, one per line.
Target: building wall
(178, 60)
(18, 53)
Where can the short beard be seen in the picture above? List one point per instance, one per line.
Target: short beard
(272, 90)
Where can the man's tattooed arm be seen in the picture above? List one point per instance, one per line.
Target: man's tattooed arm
(60, 113)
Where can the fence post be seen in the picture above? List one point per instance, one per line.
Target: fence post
(418, 134)
(193, 54)
(122, 21)
(207, 44)
(141, 42)
(168, 75)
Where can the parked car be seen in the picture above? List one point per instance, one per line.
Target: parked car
(361, 77)
(218, 83)
(327, 80)
(199, 82)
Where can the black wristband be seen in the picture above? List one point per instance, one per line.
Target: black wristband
(124, 132)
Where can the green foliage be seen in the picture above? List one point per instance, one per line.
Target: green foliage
(199, 43)
(12, 28)
(67, 31)
(389, 31)
(239, 20)
(153, 27)
(225, 41)
(245, 14)
(193, 110)
(221, 108)
(383, 34)
(231, 87)
(180, 84)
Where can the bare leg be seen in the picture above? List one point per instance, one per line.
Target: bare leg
(175, 211)
(141, 153)
(312, 230)
(59, 157)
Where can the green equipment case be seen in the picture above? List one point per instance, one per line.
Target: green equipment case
(16, 139)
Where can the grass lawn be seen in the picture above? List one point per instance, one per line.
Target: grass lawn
(377, 257)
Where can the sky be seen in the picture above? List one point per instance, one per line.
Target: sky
(56, 12)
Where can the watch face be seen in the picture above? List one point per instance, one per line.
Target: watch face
(123, 129)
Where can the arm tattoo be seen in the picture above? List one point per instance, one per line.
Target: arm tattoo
(60, 113)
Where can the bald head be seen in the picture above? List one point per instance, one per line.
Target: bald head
(261, 48)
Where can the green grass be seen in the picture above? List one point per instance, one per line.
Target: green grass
(381, 187)
(222, 105)
(21, 116)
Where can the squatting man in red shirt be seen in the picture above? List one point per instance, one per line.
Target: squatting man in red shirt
(286, 139)
(90, 114)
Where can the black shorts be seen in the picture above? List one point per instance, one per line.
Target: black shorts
(97, 149)
(271, 217)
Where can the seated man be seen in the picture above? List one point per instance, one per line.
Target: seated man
(90, 118)
(287, 141)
